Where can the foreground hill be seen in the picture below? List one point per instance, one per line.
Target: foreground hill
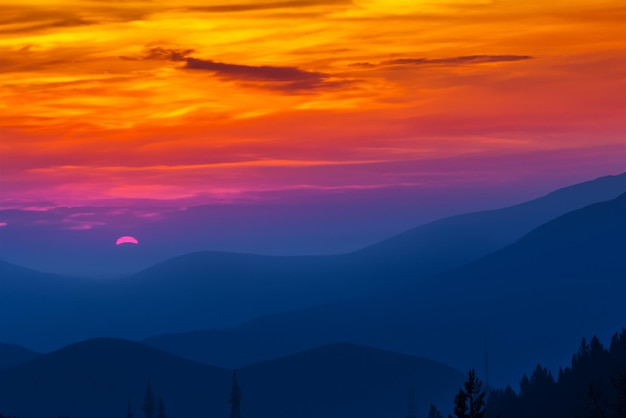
(13, 355)
(96, 378)
(345, 380)
(531, 300)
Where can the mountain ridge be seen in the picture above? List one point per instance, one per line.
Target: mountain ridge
(12, 355)
(411, 321)
(97, 378)
(216, 290)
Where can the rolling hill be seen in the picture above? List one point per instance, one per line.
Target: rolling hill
(216, 290)
(220, 289)
(14, 278)
(13, 355)
(341, 380)
(531, 301)
(28, 297)
(96, 378)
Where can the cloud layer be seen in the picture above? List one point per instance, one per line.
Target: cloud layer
(156, 100)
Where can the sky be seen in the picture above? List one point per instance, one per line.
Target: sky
(139, 104)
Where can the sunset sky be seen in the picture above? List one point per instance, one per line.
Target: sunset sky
(220, 101)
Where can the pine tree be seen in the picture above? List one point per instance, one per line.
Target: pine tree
(460, 404)
(235, 398)
(129, 410)
(470, 401)
(597, 403)
(433, 412)
(161, 409)
(504, 401)
(620, 386)
(148, 403)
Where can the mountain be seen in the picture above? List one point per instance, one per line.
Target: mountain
(528, 302)
(96, 378)
(221, 289)
(212, 290)
(14, 277)
(346, 380)
(13, 355)
(79, 241)
(453, 241)
(228, 347)
(31, 302)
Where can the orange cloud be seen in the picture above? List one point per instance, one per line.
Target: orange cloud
(139, 98)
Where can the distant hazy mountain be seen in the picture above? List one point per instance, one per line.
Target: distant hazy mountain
(531, 301)
(28, 297)
(13, 355)
(222, 288)
(96, 379)
(210, 289)
(14, 277)
(451, 242)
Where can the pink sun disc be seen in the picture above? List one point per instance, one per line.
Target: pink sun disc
(126, 239)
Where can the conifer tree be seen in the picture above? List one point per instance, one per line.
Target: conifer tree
(620, 385)
(148, 403)
(129, 410)
(161, 409)
(235, 398)
(470, 400)
(433, 412)
(460, 404)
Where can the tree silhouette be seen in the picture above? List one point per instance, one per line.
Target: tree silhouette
(161, 409)
(460, 404)
(469, 402)
(620, 386)
(129, 410)
(148, 403)
(433, 412)
(593, 386)
(598, 405)
(235, 398)
(505, 402)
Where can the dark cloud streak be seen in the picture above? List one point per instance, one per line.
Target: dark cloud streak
(451, 61)
(467, 59)
(282, 78)
(272, 77)
(161, 54)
